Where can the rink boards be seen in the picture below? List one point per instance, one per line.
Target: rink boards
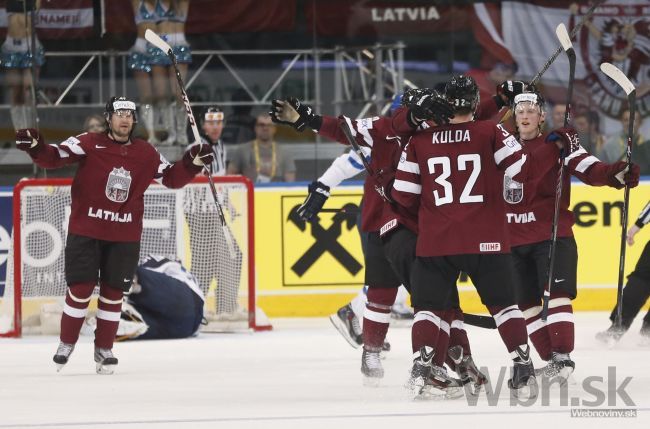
(305, 269)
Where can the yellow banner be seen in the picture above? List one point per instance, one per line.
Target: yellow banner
(308, 269)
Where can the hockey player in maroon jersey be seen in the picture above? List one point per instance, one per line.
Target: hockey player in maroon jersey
(397, 247)
(105, 223)
(451, 175)
(530, 208)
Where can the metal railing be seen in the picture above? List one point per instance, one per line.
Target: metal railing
(377, 74)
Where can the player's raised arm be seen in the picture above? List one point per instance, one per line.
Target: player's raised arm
(49, 155)
(181, 172)
(590, 169)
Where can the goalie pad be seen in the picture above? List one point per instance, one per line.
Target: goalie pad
(132, 324)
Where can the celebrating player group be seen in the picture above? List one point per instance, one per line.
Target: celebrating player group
(449, 191)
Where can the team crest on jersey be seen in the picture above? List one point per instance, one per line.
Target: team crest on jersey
(118, 184)
(513, 191)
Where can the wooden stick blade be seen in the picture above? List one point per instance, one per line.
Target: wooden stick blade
(157, 41)
(563, 37)
(618, 76)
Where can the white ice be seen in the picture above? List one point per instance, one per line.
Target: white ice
(300, 375)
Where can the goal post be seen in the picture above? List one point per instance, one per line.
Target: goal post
(178, 224)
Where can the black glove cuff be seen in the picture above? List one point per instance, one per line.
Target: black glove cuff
(316, 122)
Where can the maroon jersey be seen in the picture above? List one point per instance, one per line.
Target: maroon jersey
(385, 137)
(530, 205)
(108, 188)
(454, 173)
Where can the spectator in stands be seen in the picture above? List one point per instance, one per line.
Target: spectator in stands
(170, 25)
(16, 58)
(614, 148)
(557, 116)
(587, 124)
(240, 124)
(263, 160)
(139, 62)
(94, 124)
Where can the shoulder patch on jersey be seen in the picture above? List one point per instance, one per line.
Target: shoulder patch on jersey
(511, 142)
(71, 141)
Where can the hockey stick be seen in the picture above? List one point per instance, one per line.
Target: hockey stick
(486, 322)
(31, 50)
(565, 40)
(345, 127)
(340, 210)
(558, 51)
(617, 75)
(155, 40)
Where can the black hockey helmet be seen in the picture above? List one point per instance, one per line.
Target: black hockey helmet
(213, 113)
(462, 92)
(119, 103)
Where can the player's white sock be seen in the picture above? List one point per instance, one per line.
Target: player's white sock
(358, 303)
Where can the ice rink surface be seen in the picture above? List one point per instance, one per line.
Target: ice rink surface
(302, 375)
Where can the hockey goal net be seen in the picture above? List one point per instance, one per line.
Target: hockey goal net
(178, 224)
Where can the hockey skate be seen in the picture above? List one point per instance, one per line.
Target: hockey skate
(523, 383)
(612, 335)
(62, 355)
(402, 312)
(371, 367)
(105, 360)
(429, 381)
(469, 374)
(559, 368)
(347, 323)
(645, 334)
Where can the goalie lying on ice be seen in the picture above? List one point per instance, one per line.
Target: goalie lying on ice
(164, 302)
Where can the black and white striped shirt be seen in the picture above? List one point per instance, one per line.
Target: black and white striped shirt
(644, 217)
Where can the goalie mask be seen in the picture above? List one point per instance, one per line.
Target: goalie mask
(462, 93)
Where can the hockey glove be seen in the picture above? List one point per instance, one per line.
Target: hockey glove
(29, 140)
(620, 175)
(282, 113)
(430, 105)
(507, 91)
(566, 139)
(291, 111)
(199, 155)
(318, 194)
(384, 180)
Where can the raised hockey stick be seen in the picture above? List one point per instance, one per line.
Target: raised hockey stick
(155, 40)
(565, 40)
(558, 51)
(619, 77)
(486, 322)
